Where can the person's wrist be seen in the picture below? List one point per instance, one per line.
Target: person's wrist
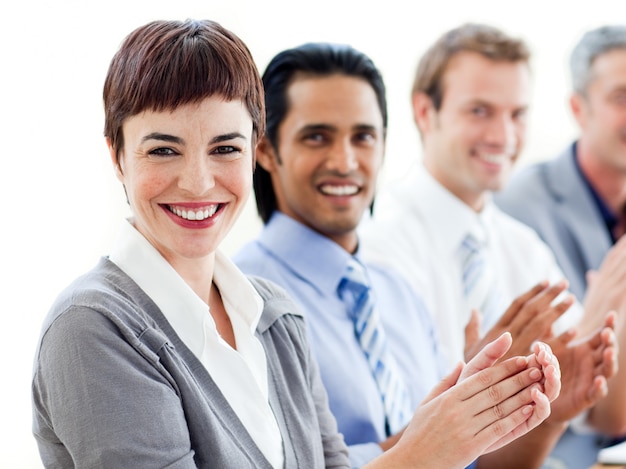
(554, 425)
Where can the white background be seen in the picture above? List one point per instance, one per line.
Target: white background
(62, 202)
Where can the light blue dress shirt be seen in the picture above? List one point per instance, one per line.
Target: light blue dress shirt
(309, 266)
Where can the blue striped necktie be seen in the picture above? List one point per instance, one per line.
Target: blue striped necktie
(371, 336)
(480, 285)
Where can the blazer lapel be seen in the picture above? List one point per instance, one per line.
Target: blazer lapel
(577, 209)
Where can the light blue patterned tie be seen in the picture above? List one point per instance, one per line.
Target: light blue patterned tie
(480, 286)
(371, 336)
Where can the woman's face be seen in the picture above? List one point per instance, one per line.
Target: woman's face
(187, 174)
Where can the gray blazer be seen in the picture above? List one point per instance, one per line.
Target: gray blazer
(552, 198)
(114, 387)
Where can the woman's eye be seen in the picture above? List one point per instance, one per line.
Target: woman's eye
(163, 151)
(225, 150)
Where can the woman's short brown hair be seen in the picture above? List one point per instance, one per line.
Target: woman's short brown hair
(166, 64)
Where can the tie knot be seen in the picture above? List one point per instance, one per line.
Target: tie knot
(354, 280)
(471, 244)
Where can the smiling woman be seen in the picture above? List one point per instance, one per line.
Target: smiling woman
(166, 332)
(187, 175)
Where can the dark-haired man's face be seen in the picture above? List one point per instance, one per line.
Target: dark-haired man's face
(331, 146)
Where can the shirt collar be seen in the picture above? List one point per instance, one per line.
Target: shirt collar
(238, 294)
(454, 219)
(311, 256)
(184, 310)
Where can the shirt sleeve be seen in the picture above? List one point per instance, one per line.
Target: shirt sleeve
(99, 402)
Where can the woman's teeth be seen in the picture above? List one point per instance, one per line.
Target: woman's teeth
(189, 214)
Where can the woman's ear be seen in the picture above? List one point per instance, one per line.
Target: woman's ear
(266, 156)
(115, 160)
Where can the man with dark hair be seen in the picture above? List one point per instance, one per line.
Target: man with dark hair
(440, 227)
(316, 176)
(311, 197)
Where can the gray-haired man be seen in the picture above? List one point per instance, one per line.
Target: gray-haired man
(577, 201)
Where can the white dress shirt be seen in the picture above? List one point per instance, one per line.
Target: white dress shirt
(240, 374)
(418, 226)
